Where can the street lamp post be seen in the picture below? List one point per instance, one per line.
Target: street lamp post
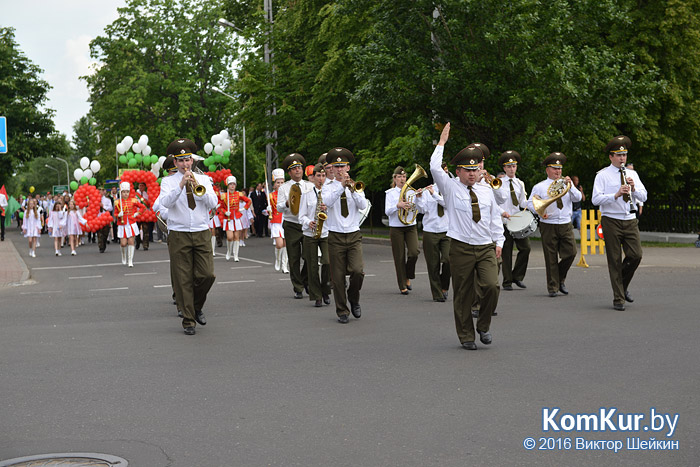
(67, 171)
(58, 177)
(214, 88)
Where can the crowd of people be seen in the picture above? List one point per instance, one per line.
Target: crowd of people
(469, 236)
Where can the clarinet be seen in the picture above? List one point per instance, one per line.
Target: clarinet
(633, 205)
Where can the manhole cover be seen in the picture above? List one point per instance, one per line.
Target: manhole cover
(71, 459)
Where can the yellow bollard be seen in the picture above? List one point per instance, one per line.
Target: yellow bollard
(589, 239)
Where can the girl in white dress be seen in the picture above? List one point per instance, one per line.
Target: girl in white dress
(56, 225)
(31, 225)
(73, 221)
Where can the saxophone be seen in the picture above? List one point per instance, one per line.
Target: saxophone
(319, 217)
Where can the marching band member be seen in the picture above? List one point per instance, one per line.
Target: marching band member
(512, 197)
(616, 190)
(403, 237)
(476, 233)
(189, 246)
(56, 224)
(436, 243)
(344, 237)
(231, 216)
(314, 239)
(276, 218)
(555, 226)
(294, 165)
(74, 220)
(127, 210)
(31, 225)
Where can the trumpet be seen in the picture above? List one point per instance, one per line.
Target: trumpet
(194, 185)
(493, 181)
(354, 186)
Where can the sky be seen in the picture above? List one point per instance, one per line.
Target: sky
(55, 35)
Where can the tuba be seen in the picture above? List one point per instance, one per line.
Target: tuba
(557, 189)
(408, 215)
(294, 198)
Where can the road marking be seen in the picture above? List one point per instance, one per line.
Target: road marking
(85, 277)
(48, 291)
(160, 286)
(387, 261)
(370, 275)
(50, 268)
(234, 282)
(138, 273)
(106, 290)
(245, 267)
(256, 261)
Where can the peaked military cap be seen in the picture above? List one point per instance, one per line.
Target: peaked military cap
(322, 159)
(619, 144)
(509, 158)
(399, 170)
(340, 156)
(319, 169)
(468, 158)
(555, 160)
(293, 160)
(169, 164)
(181, 147)
(484, 149)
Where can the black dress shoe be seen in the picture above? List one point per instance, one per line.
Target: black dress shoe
(485, 337)
(552, 294)
(507, 287)
(404, 292)
(356, 310)
(200, 318)
(298, 295)
(469, 345)
(619, 307)
(628, 297)
(441, 299)
(190, 331)
(102, 250)
(145, 248)
(326, 299)
(494, 313)
(343, 319)
(520, 284)
(562, 289)
(409, 287)
(318, 303)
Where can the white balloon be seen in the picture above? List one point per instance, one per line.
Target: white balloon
(219, 149)
(128, 141)
(208, 148)
(143, 140)
(224, 133)
(78, 174)
(146, 151)
(87, 173)
(84, 163)
(227, 144)
(161, 159)
(155, 170)
(95, 166)
(121, 149)
(216, 140)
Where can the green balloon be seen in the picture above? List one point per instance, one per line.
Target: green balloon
(154, 159)
(225, 159)
(132, 162)
(165, 173)
(92, 181)
(83, 180)
(129, 155)
(217, 158)
(138, 158)
(73, 185)
(122, 159)
(21, 215)
(227, 153)
(159, 180)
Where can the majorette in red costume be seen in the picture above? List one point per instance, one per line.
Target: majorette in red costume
(127, 211)
(231, 216)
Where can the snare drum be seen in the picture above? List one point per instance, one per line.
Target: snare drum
(522, 224)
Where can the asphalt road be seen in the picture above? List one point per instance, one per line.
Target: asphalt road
(93, 359)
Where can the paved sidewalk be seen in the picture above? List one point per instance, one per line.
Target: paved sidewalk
(13, 271)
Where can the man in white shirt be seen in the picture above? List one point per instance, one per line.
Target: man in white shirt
(476, 233)
(344, 237)
(512, 197)
(189, 245)
(294, 165)
(616, 190)
(319, 286)
(436, 243)
(555, 226)
(404, 237)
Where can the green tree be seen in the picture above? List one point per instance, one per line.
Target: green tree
(22, 97)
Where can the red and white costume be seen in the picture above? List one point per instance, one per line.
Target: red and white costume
(230, 209)
(126, 224)
(276, 218)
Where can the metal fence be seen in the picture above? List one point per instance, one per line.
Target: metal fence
(670, 215)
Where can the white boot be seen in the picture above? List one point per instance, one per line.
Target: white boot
(278, 258)
(213, 245)
(236, 245)
(284, 261)
(229, 245)
(123, 255)
(130, 255)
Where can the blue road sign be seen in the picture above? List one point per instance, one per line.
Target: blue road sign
(3, 135)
